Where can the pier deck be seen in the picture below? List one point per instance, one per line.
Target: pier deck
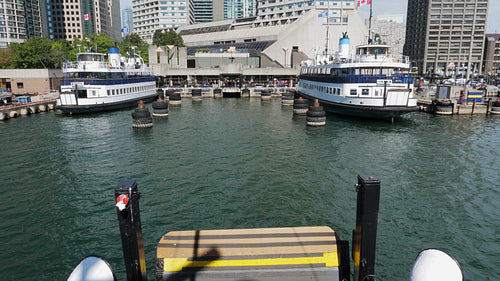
(299, 253)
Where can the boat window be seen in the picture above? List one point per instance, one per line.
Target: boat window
(354, 92)
(377, 92)
(378, 51)
(82, 94)
(338, 91)
(109, 92)
(365, 92)
(345, 71)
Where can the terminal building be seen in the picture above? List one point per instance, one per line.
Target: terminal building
(268, 43)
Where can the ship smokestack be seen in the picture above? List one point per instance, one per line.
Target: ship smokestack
(344, 46)
(114, 57)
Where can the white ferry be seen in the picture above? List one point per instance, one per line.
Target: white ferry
(371, 83)
(94, 83)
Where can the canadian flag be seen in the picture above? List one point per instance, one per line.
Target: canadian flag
(86, 16)
(364, 2)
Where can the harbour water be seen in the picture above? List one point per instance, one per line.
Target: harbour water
(244, 163)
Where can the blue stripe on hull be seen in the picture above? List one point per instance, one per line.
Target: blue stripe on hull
(81, 109)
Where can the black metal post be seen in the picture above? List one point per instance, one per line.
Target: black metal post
(129, 218)
(365, 235)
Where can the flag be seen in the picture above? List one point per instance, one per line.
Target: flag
(323, 14)
(86, 16)
(364, 2)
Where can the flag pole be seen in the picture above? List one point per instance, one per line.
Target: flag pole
(370, 25)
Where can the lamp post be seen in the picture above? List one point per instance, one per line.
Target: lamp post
(285, 49)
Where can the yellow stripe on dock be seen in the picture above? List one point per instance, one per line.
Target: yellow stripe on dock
(249, 249)
(178, 264)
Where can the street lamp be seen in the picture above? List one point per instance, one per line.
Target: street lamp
(285, 49)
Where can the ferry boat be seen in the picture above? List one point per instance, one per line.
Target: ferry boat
(372, 83)
(94, 83)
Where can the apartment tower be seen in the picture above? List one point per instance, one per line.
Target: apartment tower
(70, 19)
(19, 20)
(446, 37)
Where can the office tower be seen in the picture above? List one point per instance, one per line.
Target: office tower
(446, 37)
(19, 21)
(234, 9)
(70, 19)
(203, 11)
(150, 16)
(127, 20)
(272, 12)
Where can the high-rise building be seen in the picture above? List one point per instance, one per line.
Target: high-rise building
(127, 20)
(272, 12)
(234, 9)
(446, 37)
(150, 16)
(492, 54)
(70, 19)
(203, 11)
(19, 20)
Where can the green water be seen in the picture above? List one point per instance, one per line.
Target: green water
(243, 163)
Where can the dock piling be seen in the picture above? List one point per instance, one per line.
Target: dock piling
(365, 235)
(129, 218)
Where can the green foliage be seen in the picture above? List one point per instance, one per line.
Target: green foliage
(34, 53)
(141, 47)
(167, 37)
(41, 52)
(6, 56)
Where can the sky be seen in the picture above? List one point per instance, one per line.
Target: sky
(391, 7)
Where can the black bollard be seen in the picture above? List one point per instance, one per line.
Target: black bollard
(129, 218)
(365, 235)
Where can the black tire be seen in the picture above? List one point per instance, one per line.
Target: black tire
(316, 108)
(316, 113)
(443, 103)
(160, 105)
(161, 111)
(300, 106)
(300, 101)
(140, 114)
(175, 96)
(196, 92)
(315, 119)
(444, 108)
(141, 109)
(496, 104)
(143, 120)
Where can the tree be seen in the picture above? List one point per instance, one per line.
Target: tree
(33, 53)
(134, 40)
(6, 58)
(167, 37)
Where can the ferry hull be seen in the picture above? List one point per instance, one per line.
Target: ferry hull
(83, 109)
(364, 111)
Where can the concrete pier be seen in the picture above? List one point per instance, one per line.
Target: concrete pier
(23, 109)
(427, 105)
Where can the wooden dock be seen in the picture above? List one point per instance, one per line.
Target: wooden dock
(299, 253)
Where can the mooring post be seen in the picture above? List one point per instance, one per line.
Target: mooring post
(365, 235)
(129, 217)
